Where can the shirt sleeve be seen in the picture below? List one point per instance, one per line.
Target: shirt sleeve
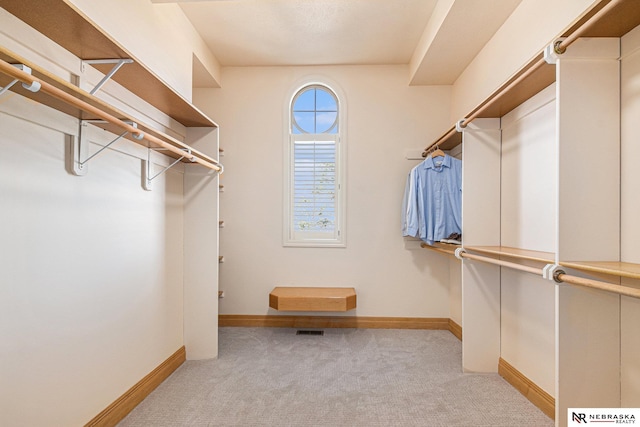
(405, 201)
(410, 207)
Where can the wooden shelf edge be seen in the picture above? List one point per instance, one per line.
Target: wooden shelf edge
(86, 40)
(517, 253)
(617, 22)
(612, 268)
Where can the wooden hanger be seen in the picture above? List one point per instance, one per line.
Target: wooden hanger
(437, 152)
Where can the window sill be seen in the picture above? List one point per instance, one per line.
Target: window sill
(314, 244)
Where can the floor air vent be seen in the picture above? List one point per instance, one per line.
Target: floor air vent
(302, 332)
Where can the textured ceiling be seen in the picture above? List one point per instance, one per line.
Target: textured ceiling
(310, 32)
(438, 37)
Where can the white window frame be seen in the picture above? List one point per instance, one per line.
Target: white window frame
(295, 238)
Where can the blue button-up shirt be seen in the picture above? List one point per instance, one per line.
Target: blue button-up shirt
(434, 199)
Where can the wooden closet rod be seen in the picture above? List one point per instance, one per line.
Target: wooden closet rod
(444, 137)
(561, 276)
(487, 103)
(434, 248)
(501, 263)
(596, 284)
(527, 70)
(530, 68)
(27, 78)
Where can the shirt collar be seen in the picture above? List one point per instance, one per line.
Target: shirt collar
(428, 163)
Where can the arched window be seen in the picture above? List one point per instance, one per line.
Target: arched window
(315, 207)
(315, 111)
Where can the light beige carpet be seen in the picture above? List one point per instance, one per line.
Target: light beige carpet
(348, 377)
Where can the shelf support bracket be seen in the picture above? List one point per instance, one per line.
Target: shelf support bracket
(118, 63)
(33, 87)
(80, 146)
(146, 167)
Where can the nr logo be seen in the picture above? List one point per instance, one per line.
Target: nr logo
(579, 418)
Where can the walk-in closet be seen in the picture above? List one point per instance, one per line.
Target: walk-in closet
(327, 212)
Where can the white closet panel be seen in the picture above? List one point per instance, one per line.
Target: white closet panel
(528, 203)
(630, 147)
(589, 150)
(201, 217)
(629, 213)
(455, 290)
(588, 321)
(527, 326)
(481, 225)
(528, 215)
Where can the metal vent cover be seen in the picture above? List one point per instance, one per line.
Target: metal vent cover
(307, 332)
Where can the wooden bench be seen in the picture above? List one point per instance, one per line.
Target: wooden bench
(312, 299)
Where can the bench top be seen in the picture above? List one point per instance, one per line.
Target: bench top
(312, 299)
(313, 292)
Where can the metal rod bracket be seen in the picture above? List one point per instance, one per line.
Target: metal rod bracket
(460, 126)
(7, 87)
(80, 147)
(553, 51)
(118, 63)
(557, 274)
(33, 87)
(146, 168)
(458, 253)
(551, 272)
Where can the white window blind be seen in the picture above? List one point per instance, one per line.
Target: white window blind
(314, 187)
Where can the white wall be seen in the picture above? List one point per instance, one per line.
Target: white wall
(384, 118)
(91, 288)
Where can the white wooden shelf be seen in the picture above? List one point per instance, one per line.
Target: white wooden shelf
(44, 98)
(613, 268)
